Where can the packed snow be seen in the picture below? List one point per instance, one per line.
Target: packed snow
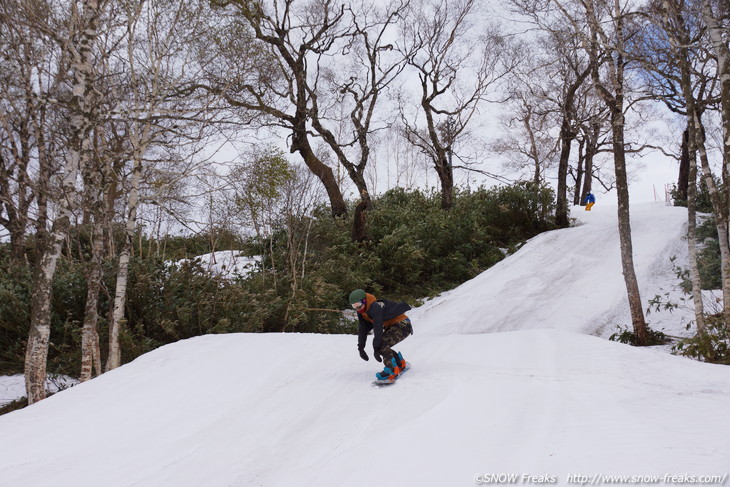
(513, 382)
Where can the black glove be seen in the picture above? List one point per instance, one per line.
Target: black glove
(376, 349)
(363, 355)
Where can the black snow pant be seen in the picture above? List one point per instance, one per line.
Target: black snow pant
(392, 335)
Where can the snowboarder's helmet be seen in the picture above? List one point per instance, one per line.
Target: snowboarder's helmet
(356, 296)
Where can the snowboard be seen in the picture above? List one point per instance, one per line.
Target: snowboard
(378, 382)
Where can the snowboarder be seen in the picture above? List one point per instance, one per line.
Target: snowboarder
(590, 201)
(390, 326)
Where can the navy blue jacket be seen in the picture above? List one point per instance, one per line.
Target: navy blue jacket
(380, 312)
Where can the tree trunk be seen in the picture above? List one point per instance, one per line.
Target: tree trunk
(359, 224)
(722, 52)
(36, 353)
(591, 149)
(446, 176)
(566, 138)
(567, 135)
(579, 172)
(624, 227)
(95, 192)
(614, 100)
(89, 332)
(720, 212)
(81, 122)
(684, 167)
(114, 359)
(694, 272)
(300, 144)
(687, 184)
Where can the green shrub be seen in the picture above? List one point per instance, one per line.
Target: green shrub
(713, 346)
(653, 337)
(14, 313)
(309, 266)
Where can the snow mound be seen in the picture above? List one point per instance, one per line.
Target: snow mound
(223, 411)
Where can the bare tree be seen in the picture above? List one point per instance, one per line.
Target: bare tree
(271, 73)
(528, 140)
(299, 200)
(17, 117)
(605, 27)
(456, 71)
(32, 72)
(160, 117)
(592, 141)
(371, 66)
(671, 49)
(685, 76)
(562, 79)
(573, 72)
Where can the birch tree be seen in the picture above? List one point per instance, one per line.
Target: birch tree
(18, 113)
(79, 45)
(32, 71)
(160, 112)
(716, 15)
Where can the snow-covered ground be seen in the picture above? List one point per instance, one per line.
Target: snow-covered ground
(512, 378)
(227, 263)
(12, 387)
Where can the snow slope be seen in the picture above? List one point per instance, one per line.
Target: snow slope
(542, 403)
(568, 279)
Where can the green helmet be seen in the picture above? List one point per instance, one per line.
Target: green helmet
(356, 296)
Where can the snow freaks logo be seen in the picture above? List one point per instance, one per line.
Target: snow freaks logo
(514, 478)
(599, 479)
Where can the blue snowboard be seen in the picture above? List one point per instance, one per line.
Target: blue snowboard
(387, 382)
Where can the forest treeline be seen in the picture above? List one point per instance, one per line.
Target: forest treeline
(416, 251)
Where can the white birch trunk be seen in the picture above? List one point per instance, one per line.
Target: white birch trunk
(718, 36)
(679, 38)
(720, 212)
(694, 272)
(89, 331)
(81, 123)
(120, 295)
